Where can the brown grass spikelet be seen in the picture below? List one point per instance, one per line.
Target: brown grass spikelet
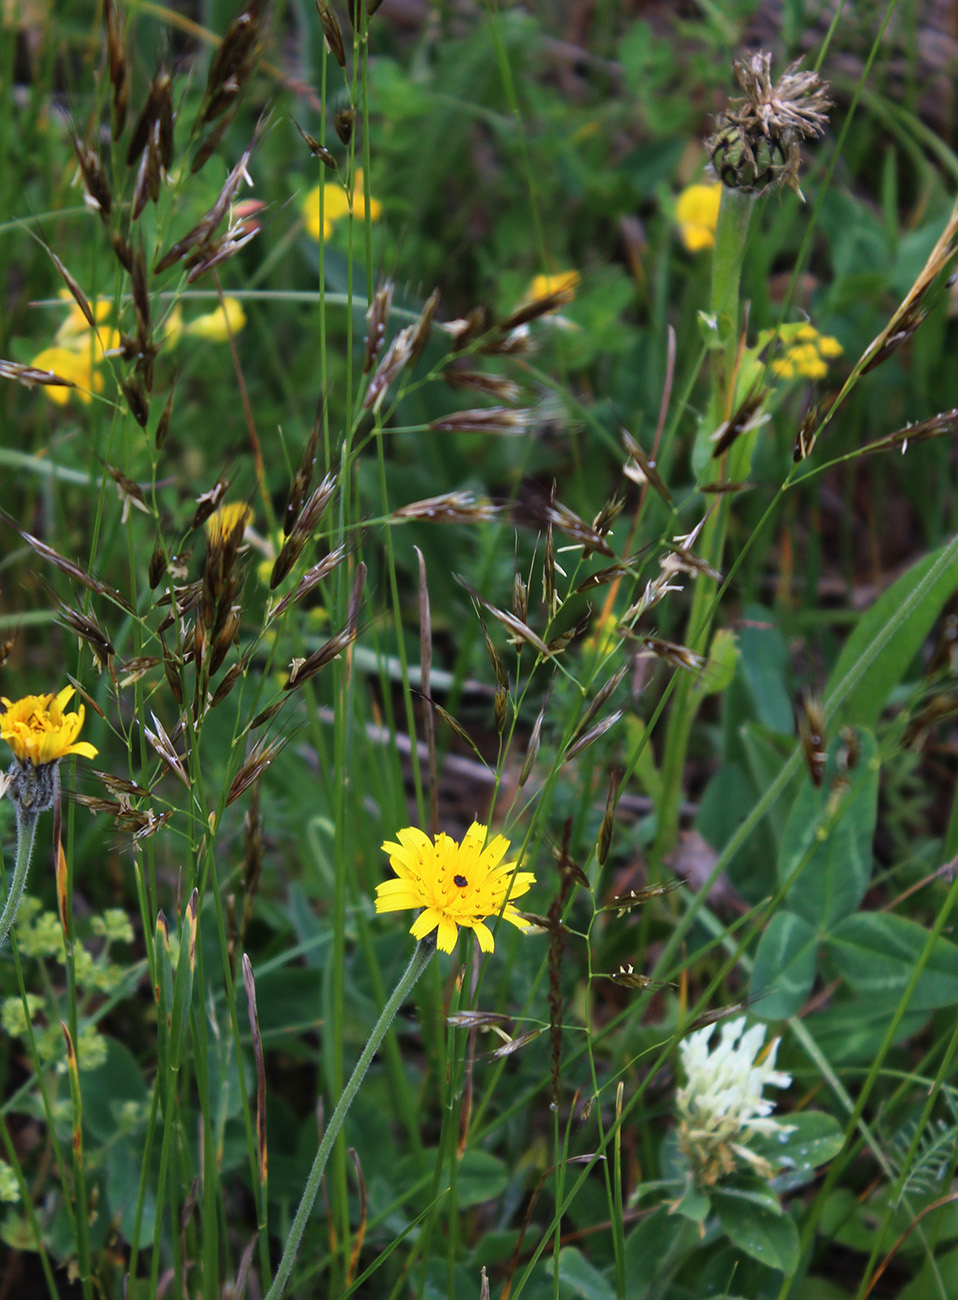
(198, 245)
(589, 737)
(299, 484)
(154, 126)
(97, 195)
(393, 362)
(532, 748)
(332, 32)
(317, 149)
(136, 399)
(640, 468)
(115, 24)
(233, 62)
(87, 629)
(31, 377)
(604, 842)
(536, 307)
(450, 508)
(254, 765)
(520, 631)
(422, 327)
(502, 420)
(311, 578)
(209, 501)
(302, 670)
(165, 749)
(499, 387)
(621, 904)
(377, 318)
(301, 531)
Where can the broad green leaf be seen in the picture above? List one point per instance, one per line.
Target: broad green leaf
(815, 1138)
(583, 1278)
(784, 969)
(877, 953)
(480, 1177)
(694, 1204)
(754, 1226)
(828, 840)
(888, 636)
(114, 1094)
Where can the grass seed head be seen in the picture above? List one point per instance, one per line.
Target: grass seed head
(332, 32)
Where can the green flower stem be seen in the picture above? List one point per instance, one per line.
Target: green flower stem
(420, 959)
(731, 236)
(26, 831)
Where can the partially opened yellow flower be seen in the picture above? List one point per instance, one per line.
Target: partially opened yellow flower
(454, 884)
(696, 211)
(336, 206)
(39, 732)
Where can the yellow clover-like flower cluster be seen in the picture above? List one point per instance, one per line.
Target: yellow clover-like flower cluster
(336, 206)
(454, 884)
(806, 355)
(39, 732)
(696, 213)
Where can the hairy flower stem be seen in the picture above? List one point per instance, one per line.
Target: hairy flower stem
(731, 236)
(26, 831)
(418, 963)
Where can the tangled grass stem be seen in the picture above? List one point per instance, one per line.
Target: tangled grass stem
(418, 963)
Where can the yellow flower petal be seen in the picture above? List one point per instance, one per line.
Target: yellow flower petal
(696, 211)
(336, 206)
(218, 325)
(74, 366)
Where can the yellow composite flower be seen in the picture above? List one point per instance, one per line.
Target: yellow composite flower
(454, 884)
(335, 206)
(226, 521)
(696, 211)
(542, 286)
(69, 364)
(39, 732)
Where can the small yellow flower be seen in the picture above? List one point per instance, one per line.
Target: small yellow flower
(75, 366)
(335, 206)
(564, 282)
(217, 326)
(806, 353)
(454, 884)
(227, 521)
(696, 211)
(39, 732)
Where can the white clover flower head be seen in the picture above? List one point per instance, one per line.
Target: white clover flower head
(721, 1105)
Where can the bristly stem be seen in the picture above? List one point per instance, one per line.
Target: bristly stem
(420, 959)
(26, 831)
